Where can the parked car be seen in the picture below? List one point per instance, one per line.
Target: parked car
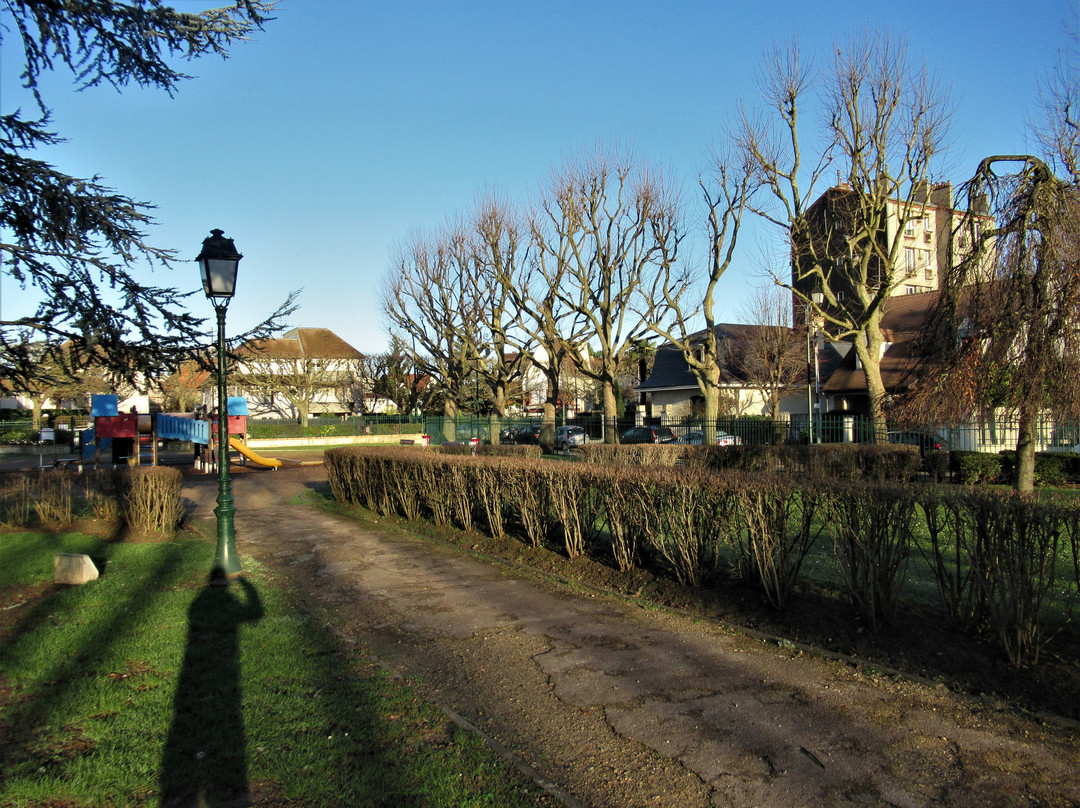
(528, 435)
(648, 434)
(696, 437)
(926, 441)
(463, 433)
(567, 437)
(507, 435)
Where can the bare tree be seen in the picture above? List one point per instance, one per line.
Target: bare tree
(429, 301)
(611, 226)
(726, 196)
(182, 388)
(886, 119)
(772, 357)
(501, 249)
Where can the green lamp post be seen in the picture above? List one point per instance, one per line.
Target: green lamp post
(218, 263)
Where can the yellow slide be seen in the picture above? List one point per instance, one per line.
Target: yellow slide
(257, 459)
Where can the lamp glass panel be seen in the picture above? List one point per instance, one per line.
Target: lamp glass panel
(219, 277)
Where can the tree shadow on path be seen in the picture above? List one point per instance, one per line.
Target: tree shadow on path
(205, 758)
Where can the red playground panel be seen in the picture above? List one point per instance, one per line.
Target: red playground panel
(125, 425)
(237, 425)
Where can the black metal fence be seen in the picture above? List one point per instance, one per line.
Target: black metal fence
(991, 434)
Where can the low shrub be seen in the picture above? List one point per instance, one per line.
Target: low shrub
(1017, 539)
(150, 497)
(509, 450)
(972, 468)
(1051, 468)
(778, 522)
(16, 499)
(871, 527)
(638, 454)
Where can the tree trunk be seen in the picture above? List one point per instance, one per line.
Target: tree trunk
(38, 404)
(1024, 473)
(551, 410)
(450, 411)
(610, 412)
(870, 357)
(498, 404)
(712, 412)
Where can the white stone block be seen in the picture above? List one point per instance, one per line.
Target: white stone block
(73, 568)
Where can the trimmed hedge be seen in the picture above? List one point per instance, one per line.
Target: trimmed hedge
(997, 557)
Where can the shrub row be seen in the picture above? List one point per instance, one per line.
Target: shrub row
(280, 428)
(840, 461)
(1051, 468)
(993, 555)
(143, 497)
(490, 450)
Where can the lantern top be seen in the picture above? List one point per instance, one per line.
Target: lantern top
(218, 263)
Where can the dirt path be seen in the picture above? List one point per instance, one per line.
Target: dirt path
(619, 706)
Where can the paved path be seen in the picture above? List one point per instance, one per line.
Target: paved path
(620, 706)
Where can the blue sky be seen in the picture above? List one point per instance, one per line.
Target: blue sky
(346, 125)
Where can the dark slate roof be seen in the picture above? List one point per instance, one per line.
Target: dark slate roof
(901, 322)
(670, 371)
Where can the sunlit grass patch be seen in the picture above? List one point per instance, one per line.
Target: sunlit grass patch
(149, 682)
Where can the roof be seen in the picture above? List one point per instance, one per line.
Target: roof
(671, 372)
(901, 323)
(318, 343)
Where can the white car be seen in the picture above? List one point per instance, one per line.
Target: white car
(696, 437)
(569, 436)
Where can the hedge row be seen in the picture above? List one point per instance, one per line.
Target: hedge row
(1051, 468)
(841, 461)
(994, 556)
(143, 497)
(281, 428)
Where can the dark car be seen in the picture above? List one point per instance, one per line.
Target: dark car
(569, 436)
(508, 435)
(926, 441)
(528, 435)
(648, 434)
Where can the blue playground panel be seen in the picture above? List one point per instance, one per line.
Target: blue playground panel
(236, 405)
(102, 406)
(170, 427)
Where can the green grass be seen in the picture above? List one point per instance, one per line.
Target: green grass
(148, 681)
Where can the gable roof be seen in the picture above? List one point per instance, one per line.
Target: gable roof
(671, 371)
(318, 343)
(901, 323)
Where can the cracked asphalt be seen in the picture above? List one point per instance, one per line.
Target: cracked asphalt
(614, 705)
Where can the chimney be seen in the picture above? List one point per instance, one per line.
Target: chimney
(941, 196)
(920, 192)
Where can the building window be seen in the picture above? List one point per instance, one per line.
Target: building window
(909, 261)
(909, 227)
(928, 223)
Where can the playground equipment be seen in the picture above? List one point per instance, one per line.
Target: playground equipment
(257, 459)
(133, 437)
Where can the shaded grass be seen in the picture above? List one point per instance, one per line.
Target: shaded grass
(148, 679)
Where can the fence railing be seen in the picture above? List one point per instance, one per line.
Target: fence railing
(987, 435)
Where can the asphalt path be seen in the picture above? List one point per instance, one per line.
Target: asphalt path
(609, 703)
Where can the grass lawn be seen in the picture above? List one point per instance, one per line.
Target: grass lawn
(147, 686)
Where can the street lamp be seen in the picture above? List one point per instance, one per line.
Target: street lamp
(218, 263)
(813, 390)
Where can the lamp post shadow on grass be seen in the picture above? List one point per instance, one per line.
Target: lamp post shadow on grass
(205, 758)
